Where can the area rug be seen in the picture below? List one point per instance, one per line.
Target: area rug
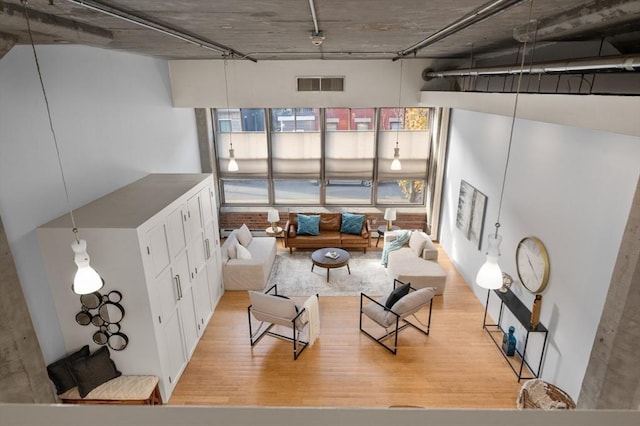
(292, 273)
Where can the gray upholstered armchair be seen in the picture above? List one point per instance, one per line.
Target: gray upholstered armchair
(392, 311)
(272, 309)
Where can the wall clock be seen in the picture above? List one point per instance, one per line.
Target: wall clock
(532, 264)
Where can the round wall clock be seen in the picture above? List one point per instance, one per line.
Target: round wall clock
(532, 264)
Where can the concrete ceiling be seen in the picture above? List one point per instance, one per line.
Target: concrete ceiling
(353, 29)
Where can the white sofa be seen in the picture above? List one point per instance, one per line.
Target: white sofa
(247, 274)
(416, 262)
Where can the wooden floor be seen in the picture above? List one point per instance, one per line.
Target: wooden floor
(456, 366)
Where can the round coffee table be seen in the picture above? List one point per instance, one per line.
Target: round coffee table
(319, 258)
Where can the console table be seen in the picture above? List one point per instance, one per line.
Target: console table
(523, 315)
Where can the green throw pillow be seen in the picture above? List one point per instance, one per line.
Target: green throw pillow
(308, 225)
(352, 223)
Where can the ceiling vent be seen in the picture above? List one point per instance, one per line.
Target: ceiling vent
(320, 84)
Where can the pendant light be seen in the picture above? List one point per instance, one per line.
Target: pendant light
(86, 279)
(490, 275)
(233, 164)
(395, 164)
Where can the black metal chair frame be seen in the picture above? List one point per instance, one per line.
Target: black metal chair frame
(398, 328)
(298, 345)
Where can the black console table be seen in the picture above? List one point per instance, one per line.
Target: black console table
(523, 315)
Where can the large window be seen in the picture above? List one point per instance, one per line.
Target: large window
(331, 156)
(243, 131)
(295, 120)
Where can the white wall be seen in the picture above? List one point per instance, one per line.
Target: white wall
(617, 114)
(115, 123)
(570, 187)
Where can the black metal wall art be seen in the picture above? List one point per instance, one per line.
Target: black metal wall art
(105, 312)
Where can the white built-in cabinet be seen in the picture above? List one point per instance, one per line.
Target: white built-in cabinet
(157, 242)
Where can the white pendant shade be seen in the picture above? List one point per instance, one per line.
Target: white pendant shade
(490, 275)
(87, 279)
(233, 165)
(395, 164)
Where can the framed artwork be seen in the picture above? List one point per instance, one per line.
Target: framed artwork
(472, 205)
(465, 204)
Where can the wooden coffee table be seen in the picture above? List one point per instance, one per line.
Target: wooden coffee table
(320, 259)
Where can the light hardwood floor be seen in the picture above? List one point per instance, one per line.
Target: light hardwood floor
(456, 366)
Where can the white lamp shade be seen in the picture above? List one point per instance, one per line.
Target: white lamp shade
(233, 165)
(490, 275)
(273, 216)
(395, 164)
(390, 214)
(87, 279)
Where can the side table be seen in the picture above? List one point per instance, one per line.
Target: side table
(271, 233)
(382, 229)
(523, 316)
(277, 233)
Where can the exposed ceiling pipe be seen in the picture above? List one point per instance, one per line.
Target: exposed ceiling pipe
(161, 28)
(586, 65)
(316, 35)
(312, 6)
(483, 12)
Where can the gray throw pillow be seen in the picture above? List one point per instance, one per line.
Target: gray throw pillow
(244, 235)
(413, 301)
(94, 370)
(232, 251)
(417, 241)
(60, 370)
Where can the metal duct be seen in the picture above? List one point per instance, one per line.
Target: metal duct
(587, 65)
(483, 12)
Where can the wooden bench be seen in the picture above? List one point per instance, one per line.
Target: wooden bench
(128, 390)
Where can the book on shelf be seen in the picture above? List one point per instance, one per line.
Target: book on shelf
(332, 255)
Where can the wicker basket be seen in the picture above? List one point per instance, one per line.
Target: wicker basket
(539, 394)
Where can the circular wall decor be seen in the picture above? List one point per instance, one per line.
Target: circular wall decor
(107, 317)
(532, 264)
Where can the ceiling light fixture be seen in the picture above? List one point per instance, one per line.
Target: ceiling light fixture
(86, 279)
(233, 164)
(490, 275)
(395, 164)
(161, 28)
(317, 38)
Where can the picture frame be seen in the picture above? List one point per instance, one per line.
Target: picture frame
(472, 205)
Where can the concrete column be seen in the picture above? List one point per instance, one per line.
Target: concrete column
(23, 374)
(205, 138)
(612, 379)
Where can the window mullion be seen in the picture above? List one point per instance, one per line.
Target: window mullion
(270, 184)
(322, 180)
(376, 136)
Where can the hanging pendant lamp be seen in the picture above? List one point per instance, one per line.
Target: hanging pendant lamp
(490, 275)
(395, 164)
(233, 164)
(86, 279)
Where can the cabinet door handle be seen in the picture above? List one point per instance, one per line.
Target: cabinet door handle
(208, 247)
(178, 286)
